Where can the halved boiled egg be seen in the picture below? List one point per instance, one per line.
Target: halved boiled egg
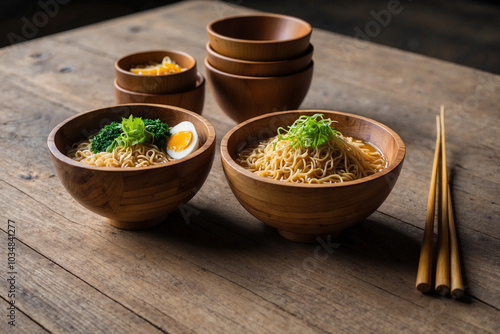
(183, 140)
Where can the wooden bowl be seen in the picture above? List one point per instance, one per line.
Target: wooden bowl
(259, 68)
(259, 36)
(302, 212)
(131, 198)
(192, 100)
(156, 84)
(244, 97)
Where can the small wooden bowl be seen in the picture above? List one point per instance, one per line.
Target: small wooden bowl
(302, 212)
(259, 68)
(156, 84)
(244, 97)
(192, 100)
(259, 36)
(131, 198)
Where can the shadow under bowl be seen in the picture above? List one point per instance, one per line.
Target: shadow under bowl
(244, 97)
(131, 198)
(304, 212)
(192, 100)
(259, 68)
(259, 36)
(156, 84)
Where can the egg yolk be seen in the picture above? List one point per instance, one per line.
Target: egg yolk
(179, 140)
(165, 68)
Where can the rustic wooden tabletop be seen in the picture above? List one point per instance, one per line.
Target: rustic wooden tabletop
(214, 268)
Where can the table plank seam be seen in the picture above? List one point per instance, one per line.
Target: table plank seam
(421, 228)
(86, 283)
(484, 302)
(37, 201)
(420, 306)
(27, 315)
(235, 283)
(258, 295)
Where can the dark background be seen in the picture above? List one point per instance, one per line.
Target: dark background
(463, 32)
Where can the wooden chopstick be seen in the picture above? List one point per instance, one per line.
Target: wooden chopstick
(424, 278)
(443, 254)
(457, 285)
(447, 257)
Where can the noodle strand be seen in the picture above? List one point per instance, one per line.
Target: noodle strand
(338, 160)
(139, 155)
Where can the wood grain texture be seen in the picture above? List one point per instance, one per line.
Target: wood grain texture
(192, 100)
(259, 36)
(259, 68)
(51, 296)
(212, 267)
(22, 324)
(244, 97)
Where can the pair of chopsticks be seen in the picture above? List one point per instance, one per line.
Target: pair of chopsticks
(448, 272)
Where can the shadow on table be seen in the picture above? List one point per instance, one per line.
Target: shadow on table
(371, 241)
(380, 251)
(210, 230)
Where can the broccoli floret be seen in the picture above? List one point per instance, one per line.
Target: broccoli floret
(105, 137)
(159, 130)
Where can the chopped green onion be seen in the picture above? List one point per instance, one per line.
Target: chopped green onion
(134, 132)
(308, 131)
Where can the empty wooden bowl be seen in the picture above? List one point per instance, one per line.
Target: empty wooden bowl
(192, 99)
(131, 198)
(259, 36)
(259, 68)
(244, 97)
(302, 212)
(156, 84)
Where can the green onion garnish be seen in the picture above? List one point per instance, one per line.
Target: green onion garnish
(308, 131)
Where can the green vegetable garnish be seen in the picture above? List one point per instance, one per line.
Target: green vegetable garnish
(106, 137)
(131, 131)
(160, 131)
(308, 131)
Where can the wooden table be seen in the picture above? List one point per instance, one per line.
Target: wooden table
(218, 269)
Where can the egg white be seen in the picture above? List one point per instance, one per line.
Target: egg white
(184, 126)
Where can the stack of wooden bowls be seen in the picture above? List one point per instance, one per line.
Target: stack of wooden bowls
(257, 64)
(185, 89)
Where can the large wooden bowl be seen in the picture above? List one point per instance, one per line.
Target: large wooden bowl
(156, 84)
(259, 68)
(131, 198)
(302, 212)
(243, 97)
(192, 99)
(259, 36)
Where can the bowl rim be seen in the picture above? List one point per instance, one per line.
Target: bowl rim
(244, 172)
(200, 82)
(172, 75)
(267, 15)
(210, 67)
(309, 51)
(211, 138)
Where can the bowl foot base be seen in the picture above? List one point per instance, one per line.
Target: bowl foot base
(306, 238)
(137, 225)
